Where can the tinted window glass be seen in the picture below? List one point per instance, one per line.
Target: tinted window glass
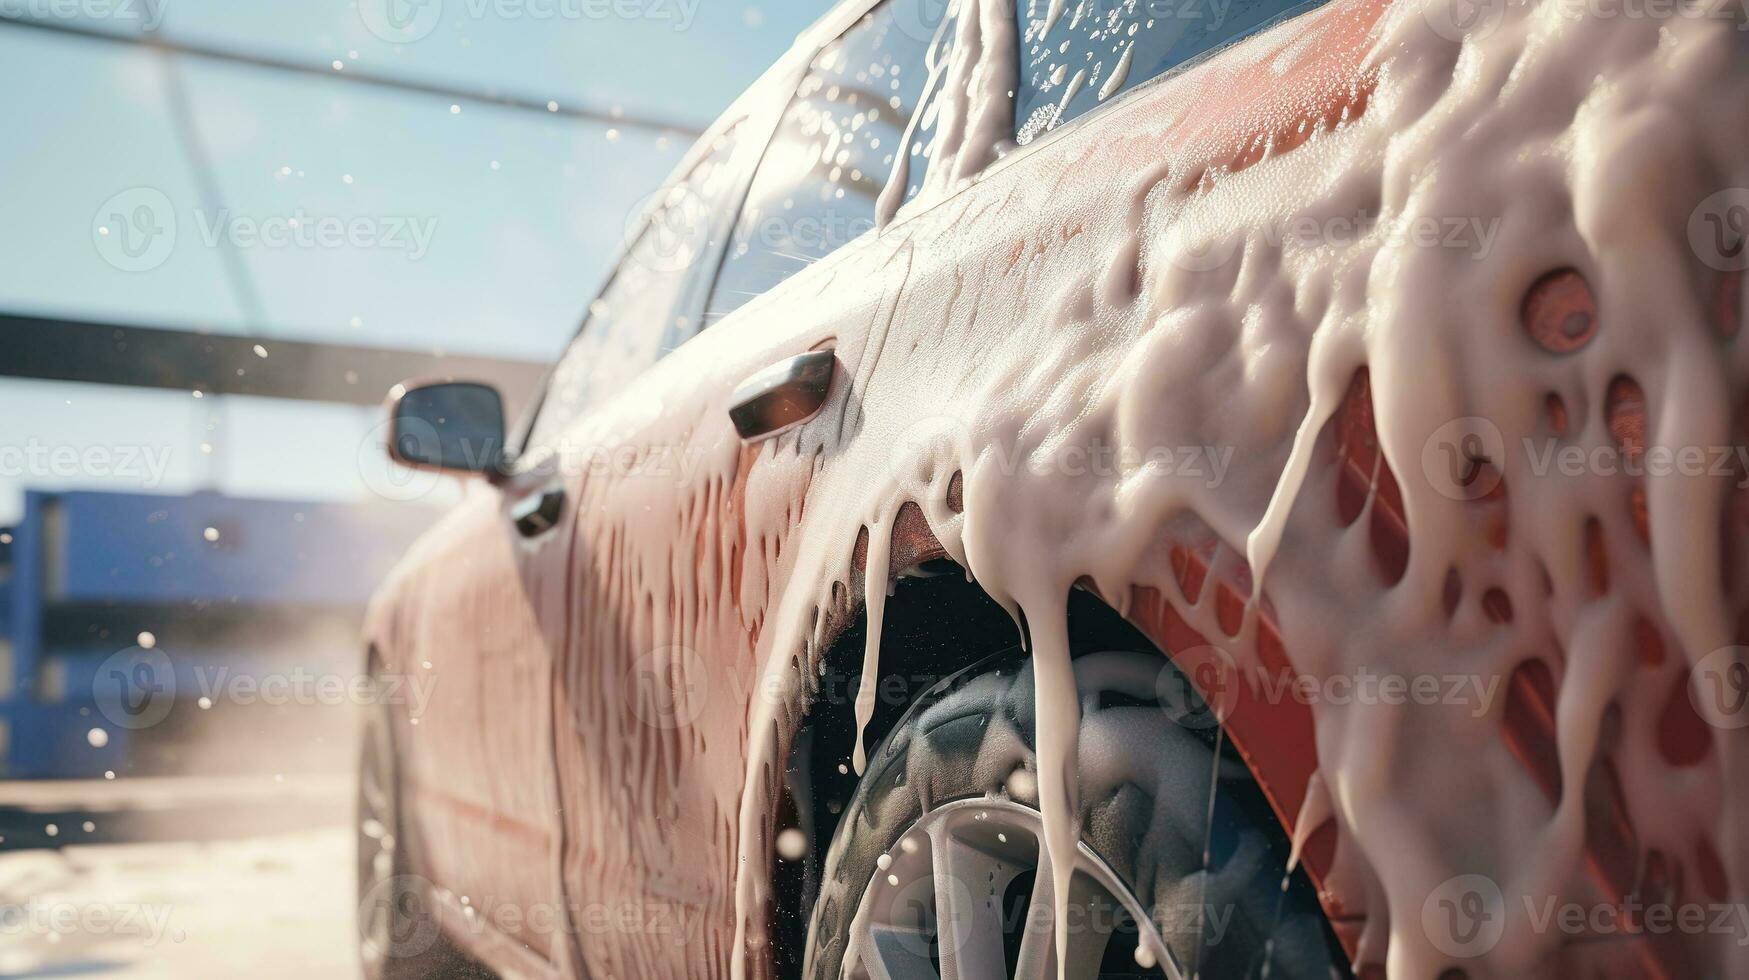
(1098, 49)
(816, 187)
(634, 319)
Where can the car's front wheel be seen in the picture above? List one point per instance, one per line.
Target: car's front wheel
(937, 870)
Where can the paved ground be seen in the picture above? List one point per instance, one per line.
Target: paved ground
(177, 878)
(267, 907)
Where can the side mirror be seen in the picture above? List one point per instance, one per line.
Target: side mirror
(453, 426)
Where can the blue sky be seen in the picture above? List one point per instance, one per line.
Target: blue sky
(475, 229)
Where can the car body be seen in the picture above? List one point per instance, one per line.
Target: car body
(1220, 327)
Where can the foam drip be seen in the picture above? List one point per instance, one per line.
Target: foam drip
(1126, 282)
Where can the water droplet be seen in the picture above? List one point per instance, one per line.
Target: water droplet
(97, 737)
(792, 844)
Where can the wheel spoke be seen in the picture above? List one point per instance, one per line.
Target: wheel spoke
(968, 905)
(1038, 959)
(942, 909)
(1093, 913)
(894, 953)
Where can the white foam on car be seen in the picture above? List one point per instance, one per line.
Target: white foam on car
(991, 332)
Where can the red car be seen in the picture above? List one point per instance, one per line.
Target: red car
(1107, 488)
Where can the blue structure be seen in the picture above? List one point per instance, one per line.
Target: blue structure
(224, 587)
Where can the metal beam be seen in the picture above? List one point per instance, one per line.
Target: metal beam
(365, 76)
(226, 364)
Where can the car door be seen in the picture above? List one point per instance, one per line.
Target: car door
(653, 700)
(488, 617)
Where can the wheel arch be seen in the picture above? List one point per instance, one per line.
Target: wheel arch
(937, 623)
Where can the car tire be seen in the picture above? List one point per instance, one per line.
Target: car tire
(1145, 814)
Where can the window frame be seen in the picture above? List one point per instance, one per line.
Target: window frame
(760, 110)
(1298, 10)
(748, 114)
(847, 15)
(830, 30)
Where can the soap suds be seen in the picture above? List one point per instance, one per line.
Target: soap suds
(1119, 74)
(1210, 264)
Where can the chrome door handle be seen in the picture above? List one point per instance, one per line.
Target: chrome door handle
(783, 395)
(538, 512)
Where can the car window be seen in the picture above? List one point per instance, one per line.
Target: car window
(816, 187)
(1098, 49)
(629, 326)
